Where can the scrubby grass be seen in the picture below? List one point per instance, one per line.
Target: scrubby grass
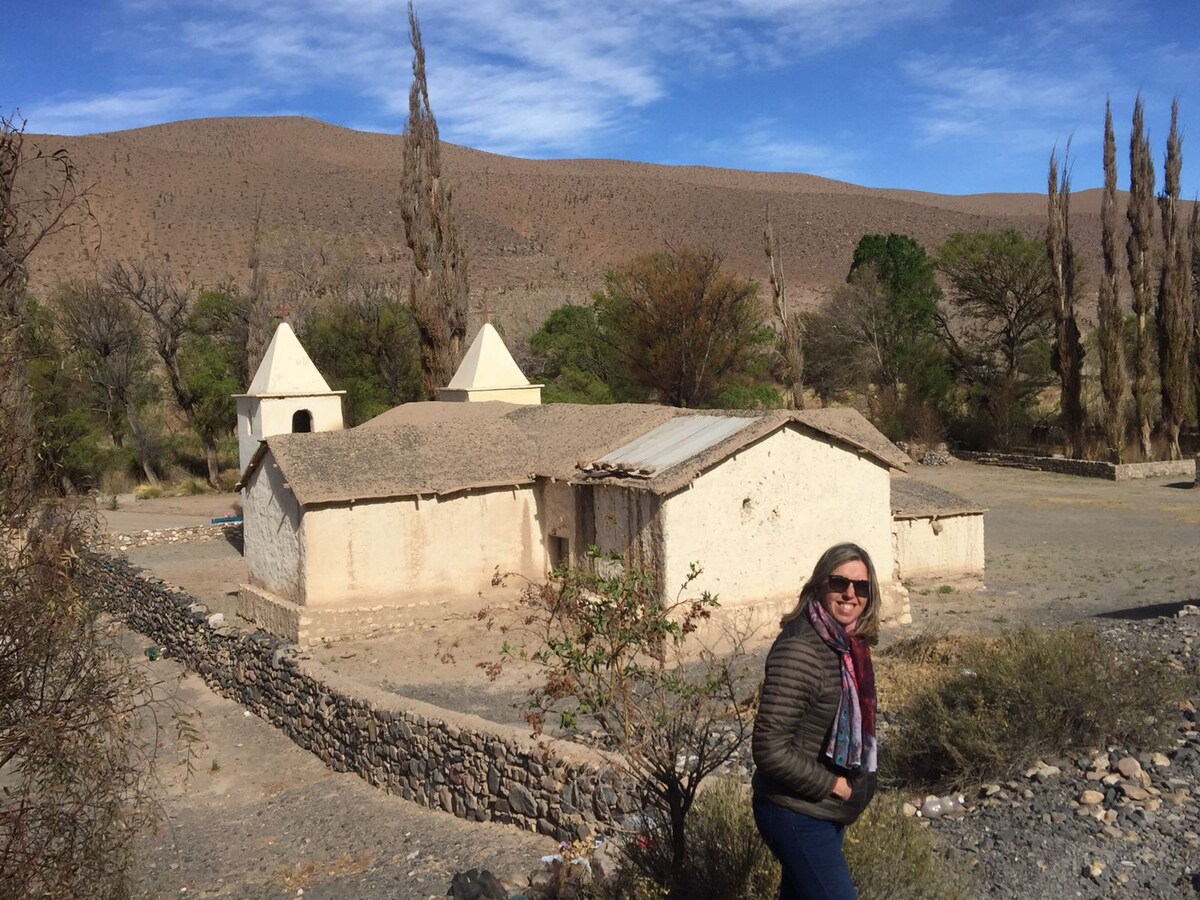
(191, 487)
(895, 857)
(1002, 703)
(891, 857)
(147, 492)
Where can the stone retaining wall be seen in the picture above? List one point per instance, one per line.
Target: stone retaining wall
(463, 764)
(1086, 467)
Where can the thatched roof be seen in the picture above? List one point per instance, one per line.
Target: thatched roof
(913, 499)
(428, 449)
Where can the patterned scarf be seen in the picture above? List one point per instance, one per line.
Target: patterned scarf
(852, 738)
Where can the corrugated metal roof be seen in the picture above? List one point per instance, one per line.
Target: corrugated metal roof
(670, 443)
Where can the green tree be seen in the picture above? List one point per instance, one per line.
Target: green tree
(683, 328)
(578, 364)
(1000, 296)
(365, 341)
(212, 364)
(899, 328)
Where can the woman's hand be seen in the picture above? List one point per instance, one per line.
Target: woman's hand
(841, 788)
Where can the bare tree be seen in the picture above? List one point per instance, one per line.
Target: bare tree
(1110, 324)
(166, 307)
(438, 292)
(1174, 311)
(1062, 282)
(107, 340)
(74, 782)
(1140, 214)
(258, 330)
(1194, 236)
(791, 327)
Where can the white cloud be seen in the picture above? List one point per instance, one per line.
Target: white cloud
(129, 109)
(766, 144)
(506, 75)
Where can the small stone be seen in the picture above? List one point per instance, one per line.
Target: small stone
(1160, 761)
(1129, 767)
(1091, 798)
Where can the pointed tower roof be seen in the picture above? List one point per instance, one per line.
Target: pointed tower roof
(286, 369)
(488, 365)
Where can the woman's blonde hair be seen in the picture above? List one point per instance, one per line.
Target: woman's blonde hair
(867, 625)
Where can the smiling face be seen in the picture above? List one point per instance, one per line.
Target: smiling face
(846, 605)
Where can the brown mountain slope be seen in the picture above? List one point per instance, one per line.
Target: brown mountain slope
(183, 196)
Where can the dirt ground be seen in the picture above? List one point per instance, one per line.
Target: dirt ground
(262, 818)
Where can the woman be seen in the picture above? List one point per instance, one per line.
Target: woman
(814, 738)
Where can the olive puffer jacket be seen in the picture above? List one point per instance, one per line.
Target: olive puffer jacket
(799, 700)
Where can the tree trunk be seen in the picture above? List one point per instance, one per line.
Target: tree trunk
(210, 457)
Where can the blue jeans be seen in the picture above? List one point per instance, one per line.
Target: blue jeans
(809, 851)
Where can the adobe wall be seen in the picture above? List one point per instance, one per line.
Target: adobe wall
(462, 764)
(950, 546)
(757, 522)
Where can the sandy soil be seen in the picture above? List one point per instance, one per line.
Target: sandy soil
(269, 819)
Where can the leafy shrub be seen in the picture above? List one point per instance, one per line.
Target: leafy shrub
(1025, 695)
(894, 857)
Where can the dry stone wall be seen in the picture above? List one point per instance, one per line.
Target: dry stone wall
(1086, 467)
(434, 757)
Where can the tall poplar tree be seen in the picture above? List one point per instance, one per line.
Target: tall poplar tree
(1110, 324)
(1140, 213)
(1194, 235)
(438, 291)
(1062, 281)
(791, 334)
(1174, 293)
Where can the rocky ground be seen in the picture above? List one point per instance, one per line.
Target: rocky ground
(1110, 823)
(261, 818)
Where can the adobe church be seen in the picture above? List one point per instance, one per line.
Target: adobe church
(428, 501)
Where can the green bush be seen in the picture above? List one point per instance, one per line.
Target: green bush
(894, 857)
(1025, 695)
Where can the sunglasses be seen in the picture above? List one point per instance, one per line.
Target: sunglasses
(839, 584)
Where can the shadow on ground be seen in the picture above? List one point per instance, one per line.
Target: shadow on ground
(1141, 613)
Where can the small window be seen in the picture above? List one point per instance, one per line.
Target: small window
(559, 549)
(301, 421)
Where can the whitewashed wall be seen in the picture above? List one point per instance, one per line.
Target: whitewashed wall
(951, 546)
(272, 524)
(757, 522)
(382, 553)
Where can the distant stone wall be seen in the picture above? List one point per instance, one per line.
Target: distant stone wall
(463, 764)
(1086, 467)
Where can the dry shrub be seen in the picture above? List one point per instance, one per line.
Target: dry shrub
(1005, 702)
(894, 857)
(913, 665)
(891, 857)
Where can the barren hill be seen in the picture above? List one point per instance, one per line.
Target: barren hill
(183, 196)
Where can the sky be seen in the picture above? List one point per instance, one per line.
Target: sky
(949, 96)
